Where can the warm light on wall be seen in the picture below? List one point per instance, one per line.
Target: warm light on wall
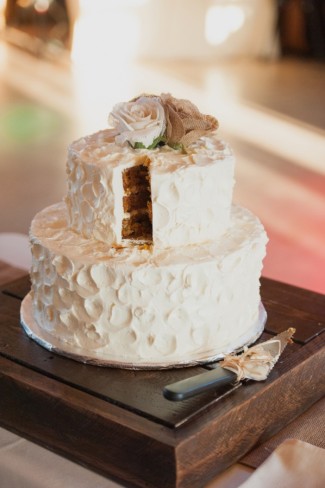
(2, 13)
(105, 27)
(105, 44)
(222, 21)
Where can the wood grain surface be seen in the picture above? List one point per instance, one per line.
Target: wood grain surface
(118, 423)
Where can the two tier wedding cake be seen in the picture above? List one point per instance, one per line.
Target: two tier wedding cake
(147, 263)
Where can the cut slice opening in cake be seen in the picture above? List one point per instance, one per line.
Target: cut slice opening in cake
(137, 221)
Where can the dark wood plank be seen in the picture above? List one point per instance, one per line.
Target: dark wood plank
(84, 413)
(88, 430)
(280, 318)
(264, 409)
(17, 288)
(308, 427)
(143, 393)
(293, 297)
(289, 306)
(8, 273)
(102, 435)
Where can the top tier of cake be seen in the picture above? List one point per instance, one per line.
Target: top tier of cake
(164, 197)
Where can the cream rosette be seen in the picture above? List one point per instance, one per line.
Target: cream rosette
(141, 122)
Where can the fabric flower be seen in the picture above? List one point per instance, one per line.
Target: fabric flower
(184, 122)
(140, 122)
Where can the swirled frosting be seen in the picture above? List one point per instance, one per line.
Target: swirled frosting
(190, 193)
(164, 305)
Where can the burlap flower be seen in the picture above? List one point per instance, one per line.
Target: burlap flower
(184, 122)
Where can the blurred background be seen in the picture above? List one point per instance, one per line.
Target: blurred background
(257, 65)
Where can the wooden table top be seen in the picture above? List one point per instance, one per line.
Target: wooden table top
(117, 422)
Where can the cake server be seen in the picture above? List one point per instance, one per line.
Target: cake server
(255, 363)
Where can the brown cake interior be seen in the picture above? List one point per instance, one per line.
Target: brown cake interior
(137, 222)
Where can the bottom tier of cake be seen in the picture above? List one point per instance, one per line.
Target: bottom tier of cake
(133, 307)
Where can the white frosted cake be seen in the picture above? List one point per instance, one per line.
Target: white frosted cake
(147, 263)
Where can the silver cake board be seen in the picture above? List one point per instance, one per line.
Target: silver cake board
(53, 344)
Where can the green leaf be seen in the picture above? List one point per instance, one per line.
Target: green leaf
(177, 146)
(156, 142)
(160, 140)
(139, 145)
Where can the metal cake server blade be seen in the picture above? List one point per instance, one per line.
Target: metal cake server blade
(255, 363)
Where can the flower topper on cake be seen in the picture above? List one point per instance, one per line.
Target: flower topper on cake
(148, 121)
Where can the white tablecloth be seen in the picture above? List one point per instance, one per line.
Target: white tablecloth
(24, 464)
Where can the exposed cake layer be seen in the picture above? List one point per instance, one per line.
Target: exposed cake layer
(156, 306)
(137, 221)
(184, 198)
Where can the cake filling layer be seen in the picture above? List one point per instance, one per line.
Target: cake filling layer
(137, 224)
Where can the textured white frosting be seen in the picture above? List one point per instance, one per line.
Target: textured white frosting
(191, 193)
(164, 305)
